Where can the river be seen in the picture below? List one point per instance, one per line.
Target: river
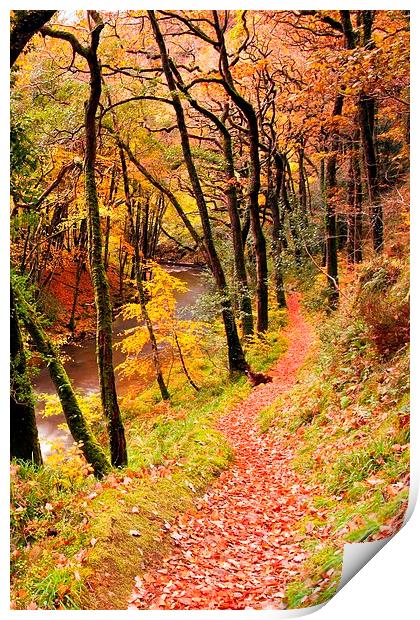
(81, 359)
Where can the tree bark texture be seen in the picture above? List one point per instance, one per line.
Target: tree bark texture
(254, 181)
(24, 442)
(366, 109)
(24, 24)
(97, 267)
(245, 302)
(72, 412)
(367, 129)
(330, 216)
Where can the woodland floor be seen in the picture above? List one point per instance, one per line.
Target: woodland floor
(241, 545)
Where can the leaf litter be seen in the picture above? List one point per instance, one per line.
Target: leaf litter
(241, 544)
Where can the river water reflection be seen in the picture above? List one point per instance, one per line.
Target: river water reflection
(81, 363)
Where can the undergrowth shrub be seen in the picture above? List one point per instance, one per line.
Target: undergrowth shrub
(383, 303)
(347, 420)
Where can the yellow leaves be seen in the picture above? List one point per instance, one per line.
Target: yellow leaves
(134, 343)
(161, 292)
(89, 404)
(163, 281)
(69, 465)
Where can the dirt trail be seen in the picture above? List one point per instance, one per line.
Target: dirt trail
(241, 547)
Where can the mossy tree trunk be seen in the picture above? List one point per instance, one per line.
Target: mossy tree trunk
(24, 442)
(97, 268)
(72, 412)
(254, 181)
(230, 191)
(236, 356)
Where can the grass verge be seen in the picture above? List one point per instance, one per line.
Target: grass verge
(347, 420)
(78, 543)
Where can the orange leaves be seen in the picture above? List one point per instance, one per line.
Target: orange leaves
(241, 544)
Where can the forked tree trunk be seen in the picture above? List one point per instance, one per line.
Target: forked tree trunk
(237, 362)
(254, 184)
(230, 191)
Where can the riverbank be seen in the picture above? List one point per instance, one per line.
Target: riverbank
(75, 526)
(71, 310)
(81, 363)
(333, 437)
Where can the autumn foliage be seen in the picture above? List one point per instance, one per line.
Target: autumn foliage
(210, 215)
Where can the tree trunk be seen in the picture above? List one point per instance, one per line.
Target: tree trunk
(366, 109)
(237, 362)
(24, 24)
(97, 268)
(245, 302)
(254, 182)
(295, 232)
(302, 185)
(79, 270)
(184, 367)
(277, 232)
(80, 266)
(106, 244)
(72, 412)
(24, 442)
(112, 188)
(367, 129)
(145, 230)
(330, 218)
(98, 274)
(355, 197)
(358, 211)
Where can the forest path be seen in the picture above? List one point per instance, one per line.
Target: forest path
(241, 545)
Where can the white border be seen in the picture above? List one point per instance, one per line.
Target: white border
(388, 586)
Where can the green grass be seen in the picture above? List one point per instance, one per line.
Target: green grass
(347, 419)
(47, 530)
(325, 568)
(178, 439)
(57, 589)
